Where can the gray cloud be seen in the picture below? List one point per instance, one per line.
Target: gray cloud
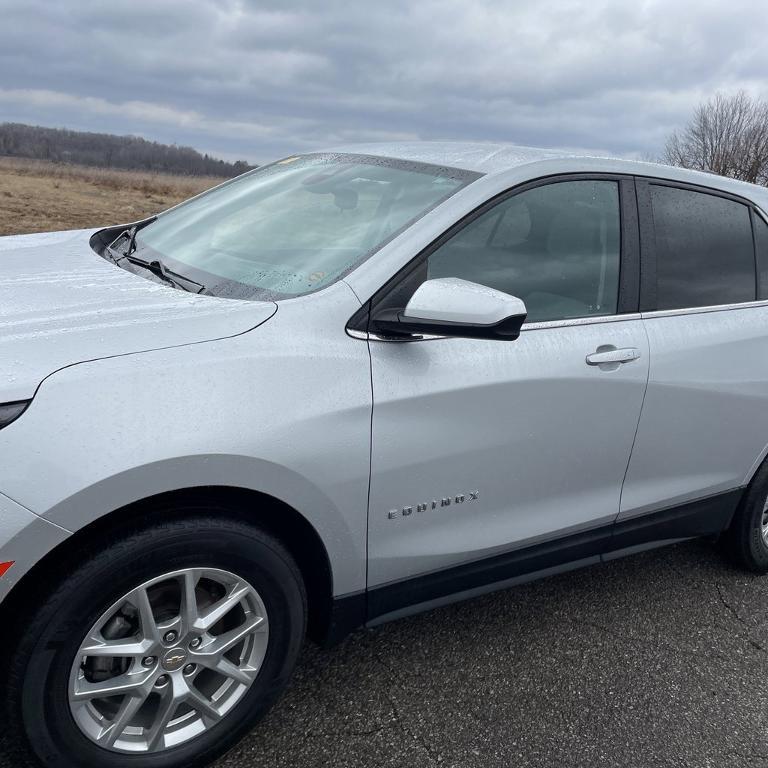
(259, 80)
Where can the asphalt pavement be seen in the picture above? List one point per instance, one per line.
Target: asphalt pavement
(656, 660)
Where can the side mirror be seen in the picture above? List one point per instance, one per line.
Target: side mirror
(449, 306)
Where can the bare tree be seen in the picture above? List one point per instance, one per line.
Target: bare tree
(726, 135)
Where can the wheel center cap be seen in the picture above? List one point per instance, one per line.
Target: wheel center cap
(174, 659)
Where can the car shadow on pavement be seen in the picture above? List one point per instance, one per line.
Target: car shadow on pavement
(660, 659)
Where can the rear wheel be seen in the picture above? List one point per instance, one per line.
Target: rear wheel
(747, 539)
(162, 650)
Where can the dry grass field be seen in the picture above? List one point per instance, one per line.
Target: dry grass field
(37, 196)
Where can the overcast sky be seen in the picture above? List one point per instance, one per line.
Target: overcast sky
(258, 80)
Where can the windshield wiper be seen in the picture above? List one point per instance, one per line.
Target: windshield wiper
(113, 254)
(131, 240)
(156, 267)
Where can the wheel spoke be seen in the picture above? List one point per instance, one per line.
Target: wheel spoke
(122, 647)
(203, 705)
(140, 600)
(128, 709)
(228, 640)
(164, 715)
(244, 675)
(128, 683)
(220, 609)
(189, 609)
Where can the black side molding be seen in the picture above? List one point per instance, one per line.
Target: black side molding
(461, 578)
(705, 517)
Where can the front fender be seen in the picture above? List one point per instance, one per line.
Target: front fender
(241, 472)
(284, 410)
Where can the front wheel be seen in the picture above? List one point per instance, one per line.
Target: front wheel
(160, 651)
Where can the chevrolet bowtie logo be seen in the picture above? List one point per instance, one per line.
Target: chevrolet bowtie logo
(445, 501)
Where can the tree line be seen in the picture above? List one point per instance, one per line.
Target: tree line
(105, 150)
(727, 135)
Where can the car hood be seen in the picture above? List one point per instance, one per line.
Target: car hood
(61, 303)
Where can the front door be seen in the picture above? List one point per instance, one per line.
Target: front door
(491, 458)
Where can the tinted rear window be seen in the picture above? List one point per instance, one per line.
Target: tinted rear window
(704, 249)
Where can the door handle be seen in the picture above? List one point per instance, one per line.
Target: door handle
(612, 355)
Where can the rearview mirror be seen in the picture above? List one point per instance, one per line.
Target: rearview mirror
(449, 306)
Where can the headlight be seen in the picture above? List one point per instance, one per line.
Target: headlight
(11, 411)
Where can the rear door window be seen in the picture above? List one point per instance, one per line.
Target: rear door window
(704, 249)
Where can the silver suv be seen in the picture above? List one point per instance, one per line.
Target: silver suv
(347, 387)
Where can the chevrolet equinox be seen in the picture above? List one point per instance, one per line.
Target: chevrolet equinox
(346, 387)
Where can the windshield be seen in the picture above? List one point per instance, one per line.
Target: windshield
(296, 226)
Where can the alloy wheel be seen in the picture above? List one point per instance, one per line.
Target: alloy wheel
(168, 660)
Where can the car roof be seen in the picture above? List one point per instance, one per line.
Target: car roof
(496, 158)
(471, 156)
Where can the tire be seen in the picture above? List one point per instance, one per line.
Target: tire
(222, 559)
(744, 541)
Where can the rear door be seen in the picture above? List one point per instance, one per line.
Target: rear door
(704, 424)
(491, 459)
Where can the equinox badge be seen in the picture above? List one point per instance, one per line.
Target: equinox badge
(445, 501)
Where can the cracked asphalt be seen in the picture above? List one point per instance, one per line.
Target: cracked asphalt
(656, 660)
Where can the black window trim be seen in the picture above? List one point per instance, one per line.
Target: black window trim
(757, 213)
(628, 301)
(752, 215)
(648, 276)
